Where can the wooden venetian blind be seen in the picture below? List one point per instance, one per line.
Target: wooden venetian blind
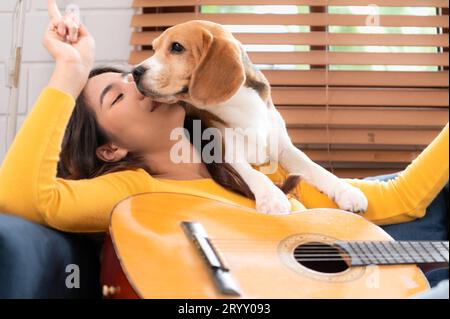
(361, 84)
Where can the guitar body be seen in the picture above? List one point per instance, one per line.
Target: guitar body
(151, 256)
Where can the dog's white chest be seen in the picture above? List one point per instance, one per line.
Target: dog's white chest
(245, 109)
(246, 114)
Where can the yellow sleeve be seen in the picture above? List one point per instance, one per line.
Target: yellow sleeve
(402, 199)
(30, 189)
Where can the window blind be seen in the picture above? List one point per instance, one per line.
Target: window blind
(363, 85)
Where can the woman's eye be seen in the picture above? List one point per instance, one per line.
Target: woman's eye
(176, 48)
(118, 98)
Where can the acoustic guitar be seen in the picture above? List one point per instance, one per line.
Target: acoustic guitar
(166, 245)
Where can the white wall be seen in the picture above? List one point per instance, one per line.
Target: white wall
(107, 20)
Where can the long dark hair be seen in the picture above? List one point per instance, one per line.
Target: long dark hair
(84, 135)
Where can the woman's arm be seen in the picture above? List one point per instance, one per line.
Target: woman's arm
(33, 155)
(29, 187)
(402, 199)
(34, 152)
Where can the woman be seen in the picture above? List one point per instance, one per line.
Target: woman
(114, 145)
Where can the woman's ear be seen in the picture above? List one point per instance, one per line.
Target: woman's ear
(219, 74)
(110, 152)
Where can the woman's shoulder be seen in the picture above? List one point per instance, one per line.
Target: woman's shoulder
(128, 177)
(133, 173)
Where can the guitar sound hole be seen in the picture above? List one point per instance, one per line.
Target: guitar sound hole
(321, 257)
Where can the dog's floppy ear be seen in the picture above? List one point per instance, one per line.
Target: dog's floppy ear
(156, 41)
(220, 72)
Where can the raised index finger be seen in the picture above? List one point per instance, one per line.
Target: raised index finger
(53, 11)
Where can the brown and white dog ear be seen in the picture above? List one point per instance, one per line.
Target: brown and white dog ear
(220, 73)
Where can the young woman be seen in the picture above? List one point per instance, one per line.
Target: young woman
(92, 140)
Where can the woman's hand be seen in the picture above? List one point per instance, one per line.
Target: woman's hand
(67, 40)
(73, 49)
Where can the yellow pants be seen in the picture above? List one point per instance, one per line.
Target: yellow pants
(402, 199)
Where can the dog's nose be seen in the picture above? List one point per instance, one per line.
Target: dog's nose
(137, 73)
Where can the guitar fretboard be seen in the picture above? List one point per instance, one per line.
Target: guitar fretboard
(396, 252)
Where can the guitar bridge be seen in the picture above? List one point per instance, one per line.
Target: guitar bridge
(220, 273)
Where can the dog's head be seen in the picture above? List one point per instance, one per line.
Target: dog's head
(198, 62)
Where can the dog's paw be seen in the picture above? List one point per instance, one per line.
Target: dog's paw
(272, 201)
(350, 198)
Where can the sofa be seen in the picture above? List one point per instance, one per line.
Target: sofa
(38, 262)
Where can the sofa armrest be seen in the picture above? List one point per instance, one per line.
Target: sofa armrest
(34, 261)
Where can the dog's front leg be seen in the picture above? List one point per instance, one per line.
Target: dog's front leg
(269, 198)
(346, 196)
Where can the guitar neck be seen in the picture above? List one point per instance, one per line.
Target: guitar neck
(396, 252)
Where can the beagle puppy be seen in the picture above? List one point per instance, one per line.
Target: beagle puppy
(201, 63)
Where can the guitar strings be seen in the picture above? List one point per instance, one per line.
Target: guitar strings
(384, 256)
(324, 248)
(333, 251)
(365, 242)
(391, 257)
(326, 245)
(326, 252)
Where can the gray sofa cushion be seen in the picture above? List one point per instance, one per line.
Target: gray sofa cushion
(36, 261)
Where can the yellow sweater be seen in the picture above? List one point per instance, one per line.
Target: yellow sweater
(30, 189)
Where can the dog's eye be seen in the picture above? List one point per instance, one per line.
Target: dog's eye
(176, 48)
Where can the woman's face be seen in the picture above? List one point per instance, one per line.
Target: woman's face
(133, 122)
